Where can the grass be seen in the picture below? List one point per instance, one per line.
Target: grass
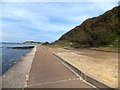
(71, 45)
(61, 45)
(114, 44)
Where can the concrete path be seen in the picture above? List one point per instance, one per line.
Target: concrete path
(48, 72)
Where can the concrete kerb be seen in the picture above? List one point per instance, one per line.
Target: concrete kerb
(27, 75)
(87, 78)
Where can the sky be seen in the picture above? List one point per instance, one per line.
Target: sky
(45, 21)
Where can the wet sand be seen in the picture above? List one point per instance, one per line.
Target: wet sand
(17, 75)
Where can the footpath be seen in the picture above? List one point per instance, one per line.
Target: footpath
(48, 71)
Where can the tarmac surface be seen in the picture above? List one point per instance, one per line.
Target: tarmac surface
(48, 72)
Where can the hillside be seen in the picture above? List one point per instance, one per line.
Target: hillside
(32, 42)
(95, 32)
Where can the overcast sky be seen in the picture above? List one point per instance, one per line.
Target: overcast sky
(22, 21)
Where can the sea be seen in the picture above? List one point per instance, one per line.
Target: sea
(9, 57)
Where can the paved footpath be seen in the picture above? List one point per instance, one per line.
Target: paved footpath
(48, 72)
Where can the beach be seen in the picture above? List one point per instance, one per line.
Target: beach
(42, 69)
(99, 64)
(60, 44)
(17, 75)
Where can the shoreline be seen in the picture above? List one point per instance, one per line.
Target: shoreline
(17, 75)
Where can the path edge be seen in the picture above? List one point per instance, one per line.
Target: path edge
(85, 77)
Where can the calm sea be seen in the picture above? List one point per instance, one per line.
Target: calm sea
(11, 56)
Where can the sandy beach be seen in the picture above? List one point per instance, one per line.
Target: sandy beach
(101, 65)
(31, 71)
(17, 75)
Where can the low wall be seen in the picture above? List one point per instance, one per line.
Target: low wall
(87, 78)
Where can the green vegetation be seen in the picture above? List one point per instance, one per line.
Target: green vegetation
(101, 31)
(45, 43)
(114, 44)
(32, 42)
(64, 44)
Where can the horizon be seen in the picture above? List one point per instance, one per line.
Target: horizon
(46, 21)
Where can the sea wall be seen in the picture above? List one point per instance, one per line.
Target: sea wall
(16, 76)
(21, 47)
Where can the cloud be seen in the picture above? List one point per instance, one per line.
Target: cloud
(60, 0)
(46, 21)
